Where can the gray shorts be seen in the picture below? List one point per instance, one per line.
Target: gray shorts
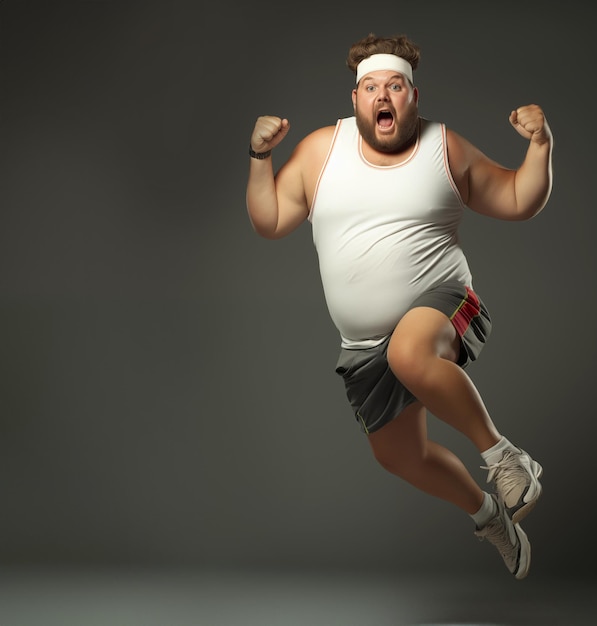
(375, 394)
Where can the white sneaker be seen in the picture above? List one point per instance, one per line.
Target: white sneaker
(516, 478)
(509, 539)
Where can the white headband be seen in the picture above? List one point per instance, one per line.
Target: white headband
(384, 62)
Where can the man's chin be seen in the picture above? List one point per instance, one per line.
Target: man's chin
(385, 144)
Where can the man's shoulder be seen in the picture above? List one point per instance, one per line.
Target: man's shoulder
(318, 142)
(319, 136)
(349, 121)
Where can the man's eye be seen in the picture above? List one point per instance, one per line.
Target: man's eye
(396, 87)
(370, 87)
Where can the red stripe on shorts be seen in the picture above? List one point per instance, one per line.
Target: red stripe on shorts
(467, 310)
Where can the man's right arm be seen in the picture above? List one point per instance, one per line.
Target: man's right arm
(276, 203)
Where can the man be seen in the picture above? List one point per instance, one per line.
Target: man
(384, 191)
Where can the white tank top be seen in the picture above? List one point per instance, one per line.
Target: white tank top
(384, 234)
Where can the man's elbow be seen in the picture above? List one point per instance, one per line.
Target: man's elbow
(266, 231)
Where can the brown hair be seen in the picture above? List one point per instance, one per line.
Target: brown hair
(400, 45)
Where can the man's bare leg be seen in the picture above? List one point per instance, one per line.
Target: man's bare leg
(422, 354)
(402, 448)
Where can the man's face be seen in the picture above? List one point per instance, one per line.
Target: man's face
(385, 105)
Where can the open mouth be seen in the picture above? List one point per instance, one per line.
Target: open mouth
(385, 119)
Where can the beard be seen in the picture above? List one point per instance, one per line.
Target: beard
(404, 137)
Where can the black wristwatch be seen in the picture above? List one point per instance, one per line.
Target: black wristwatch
(258, 155)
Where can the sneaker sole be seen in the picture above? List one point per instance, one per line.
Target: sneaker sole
(519, 514)
(525, 554)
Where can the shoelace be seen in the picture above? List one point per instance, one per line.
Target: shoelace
(497, 534)
(515, 472)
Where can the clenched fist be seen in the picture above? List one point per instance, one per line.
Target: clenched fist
(268, 132)
(531, 124)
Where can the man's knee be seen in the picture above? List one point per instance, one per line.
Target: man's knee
(406, 357)
(422, 334)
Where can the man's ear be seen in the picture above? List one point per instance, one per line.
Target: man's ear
(354, 98)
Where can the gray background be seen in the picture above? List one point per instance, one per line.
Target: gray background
(167, 394)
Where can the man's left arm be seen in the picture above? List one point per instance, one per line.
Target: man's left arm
(500, 192)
